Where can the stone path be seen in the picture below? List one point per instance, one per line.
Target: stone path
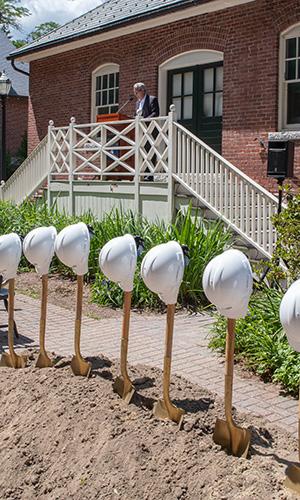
(191, 356)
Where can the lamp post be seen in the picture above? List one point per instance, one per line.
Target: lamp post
(5, 86)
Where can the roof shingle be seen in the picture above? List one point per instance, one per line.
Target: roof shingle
(108, 15)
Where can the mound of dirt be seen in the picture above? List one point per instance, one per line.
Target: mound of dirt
(65, 437)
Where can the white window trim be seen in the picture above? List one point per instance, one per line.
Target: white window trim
(282, 102)
(185, 59)
(101, 70)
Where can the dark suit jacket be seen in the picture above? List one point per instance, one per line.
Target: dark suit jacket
(150, 108)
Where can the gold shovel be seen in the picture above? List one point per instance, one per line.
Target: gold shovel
(43, 360)
(123, 385)
(292, 479)
(78, 364)
(235, 439)
(11, 359)
(164, 408)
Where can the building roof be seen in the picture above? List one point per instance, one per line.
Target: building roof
(19, 81)
(109, 15)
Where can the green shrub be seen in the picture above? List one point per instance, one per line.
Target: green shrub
(205, 240)
(261, 342)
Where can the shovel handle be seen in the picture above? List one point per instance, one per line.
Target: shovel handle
(229, 359)
(78, 316)
(11, 307)
(125, 334)
(43, 312)
(168, 355)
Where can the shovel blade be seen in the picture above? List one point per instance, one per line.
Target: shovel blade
(292, 480)
(13, 361)
(236, 440)
(43, 361)
(124, 388)
(160, 410)
(80, 367)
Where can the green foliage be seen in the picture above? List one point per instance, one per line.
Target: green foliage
(10, 13)
(287, 248)
(39, 31)
(204, 239)
(261, 342)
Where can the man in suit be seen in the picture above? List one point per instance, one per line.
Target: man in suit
(149, 106)
(145, 102)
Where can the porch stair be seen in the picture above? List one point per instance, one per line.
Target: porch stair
(88, 153)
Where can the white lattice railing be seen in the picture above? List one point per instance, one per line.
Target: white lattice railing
(104, 151)
(29, 177)
(229, 193)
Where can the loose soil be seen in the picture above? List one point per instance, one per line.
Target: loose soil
(65, 437)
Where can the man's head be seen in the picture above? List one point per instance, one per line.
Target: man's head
(139, 90)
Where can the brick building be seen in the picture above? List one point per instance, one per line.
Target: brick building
(232, 68)
(17, 101)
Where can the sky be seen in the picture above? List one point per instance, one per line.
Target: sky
(60, 11)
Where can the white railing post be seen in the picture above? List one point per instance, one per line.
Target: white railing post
(2, 184)
(137, 163)
(171, 161)
(71, 164)
(103, 157)
(49, 164)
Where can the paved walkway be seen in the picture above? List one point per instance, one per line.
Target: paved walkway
(191, 356)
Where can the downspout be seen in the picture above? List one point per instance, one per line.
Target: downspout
(12, 61)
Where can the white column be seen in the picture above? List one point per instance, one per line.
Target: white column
(71, 164)
(171, 162)
(49, 162)
(137, 163)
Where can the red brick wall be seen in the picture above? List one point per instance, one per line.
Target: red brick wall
(16, 122)
(60, 86)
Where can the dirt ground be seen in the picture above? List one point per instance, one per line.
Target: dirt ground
(62, 292)
(64, 437)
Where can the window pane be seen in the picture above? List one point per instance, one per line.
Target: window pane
(114, 109)
(188, 83)
(208, 104)
(98, 83)
(219, 78)
(111, 80)
(188, 108)
(219, 104)
(103, 110)
(177, 103)
(290, 70)
(104, 81)
(116, 95)
(98, 98)
(104, 97)
(176, 85)
(117, 79)
(293, 103)
(291, 44)
(209, 80)
(111, 97)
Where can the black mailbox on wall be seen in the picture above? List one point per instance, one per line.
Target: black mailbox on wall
(281, 159)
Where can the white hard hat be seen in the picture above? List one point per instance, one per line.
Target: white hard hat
(290, 315)
(38, 248)
(227, 283)
(117, 260)
(162, 270)
(10, 255)
(72, 247)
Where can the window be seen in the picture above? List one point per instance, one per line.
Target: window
(290, 79)
(105, 90)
